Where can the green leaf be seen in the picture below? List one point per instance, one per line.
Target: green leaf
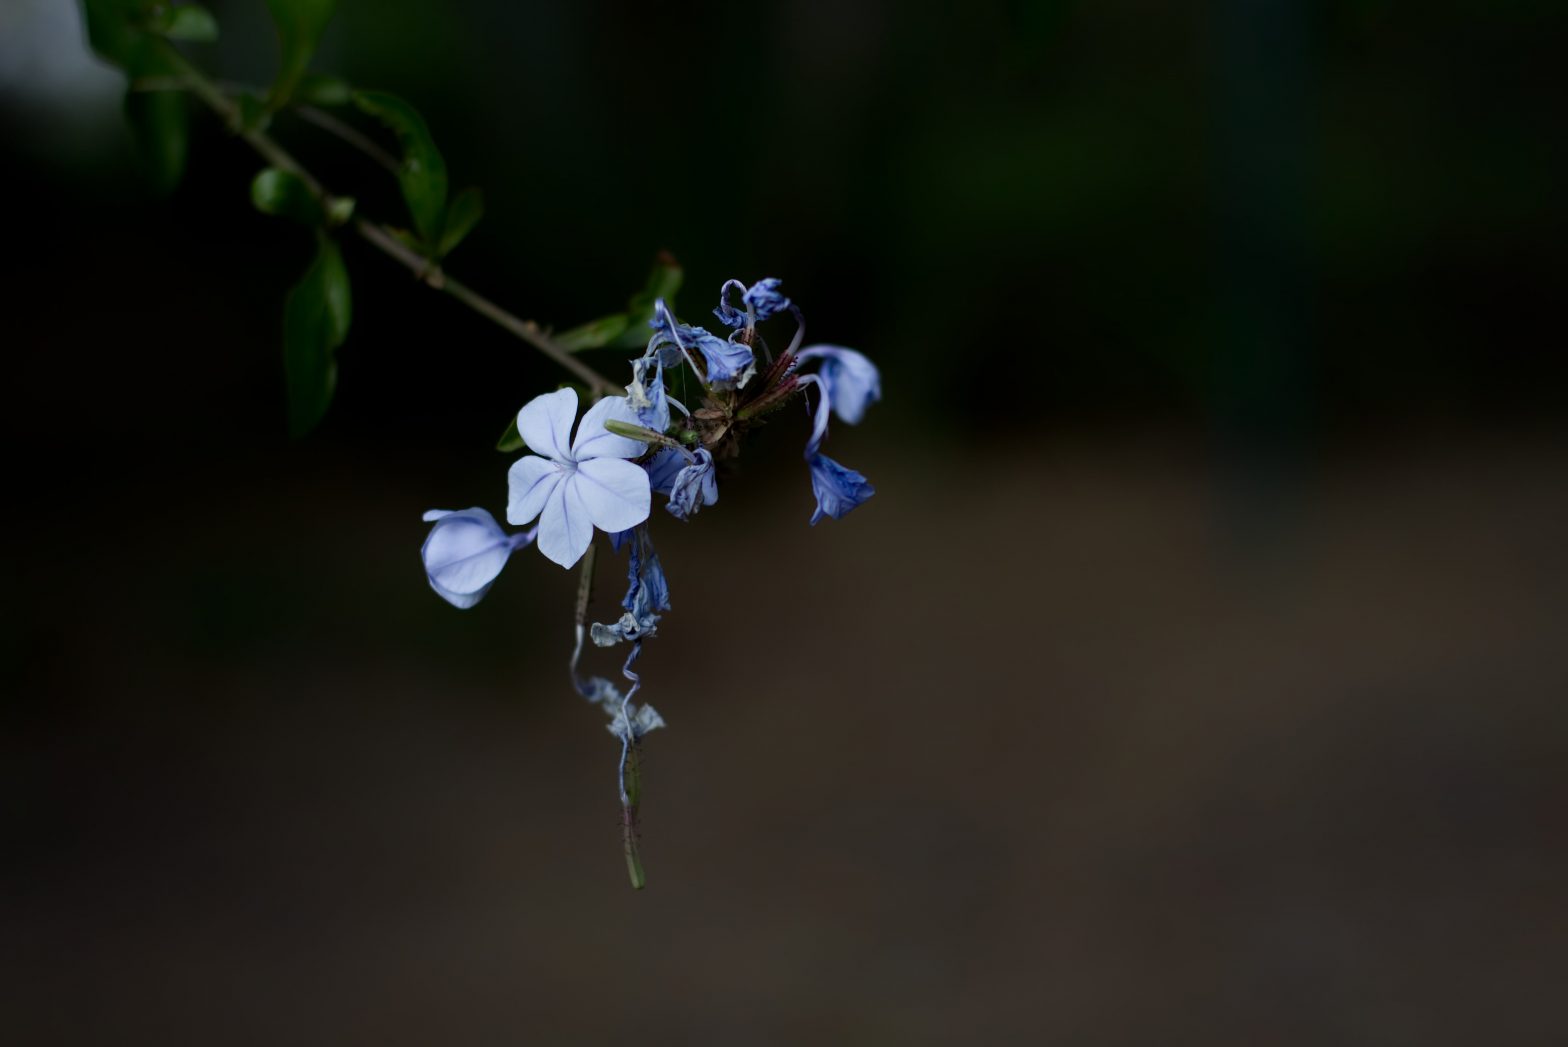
(422, 174)
(316, 89)
(593, 334)
(116, 29)
(286, 195)
(190, 22)
(628, 330)
(316, 318)
(254, 115)
(160, 128)
(664, 279)
(300, 25)
(462, 215)
(340, 210)
(511, 440)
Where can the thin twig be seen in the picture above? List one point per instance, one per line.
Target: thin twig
(381, 237)
(349, 134)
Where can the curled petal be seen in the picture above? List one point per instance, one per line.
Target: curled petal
(614, 493)
(529, 481)
(663, 468)
(545, 423)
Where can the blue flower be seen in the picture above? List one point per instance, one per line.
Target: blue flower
(726, 363)
(575, 488)
(694, 485)
(851, 380)
(761, 301)
(662, 470)
(838, 489)
(464, 553)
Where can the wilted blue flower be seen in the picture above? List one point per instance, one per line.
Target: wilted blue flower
(647, 592)
(575, 488)
(662, 470)
(646, 394)
(761, 301)
(464, 553)
(851, 380)
(726, 363)
(838, 489)
(694, 485)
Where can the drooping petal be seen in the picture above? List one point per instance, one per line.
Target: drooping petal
(595, 441)
(565, 530)
(853, 381)
(464, 553)
(819, 421)
(694, 485)
(613, 492)
(663, 469)
(838, 489)
(727, 363)
(529, 483)
(545, 423)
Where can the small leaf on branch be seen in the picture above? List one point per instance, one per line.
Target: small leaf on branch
(664, 279)
(316, 318)
(422, 173)
(317, 89)
(593, 334)
(511, 440)
(462, 215)
(300, 25)
(286, 195)
(190, 22)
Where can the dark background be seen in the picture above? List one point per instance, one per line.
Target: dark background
(1196, 675)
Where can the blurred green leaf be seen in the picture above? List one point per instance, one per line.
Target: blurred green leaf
(511, 440)
(286, 195)
(116, 29)
(316, 89)
(190, 22)
(316, 318)
(340, 210)
(160, 129)
(593, 334)
(466, 209)
(664, 279)
(300, 25)
(628, 330)
(422, 174)
(254, 115)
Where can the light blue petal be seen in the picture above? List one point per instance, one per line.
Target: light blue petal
(529, 483)
(595, 441)
(545, 423)
(614, 493)
(565, 530)
(663, 469)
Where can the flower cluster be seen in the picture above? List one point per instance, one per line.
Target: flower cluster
(627, 448)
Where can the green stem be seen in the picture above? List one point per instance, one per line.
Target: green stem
(380, 237)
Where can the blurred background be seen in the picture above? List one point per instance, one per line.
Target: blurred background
(1196, 675)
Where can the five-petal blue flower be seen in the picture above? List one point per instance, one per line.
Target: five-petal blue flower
(576, 487)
